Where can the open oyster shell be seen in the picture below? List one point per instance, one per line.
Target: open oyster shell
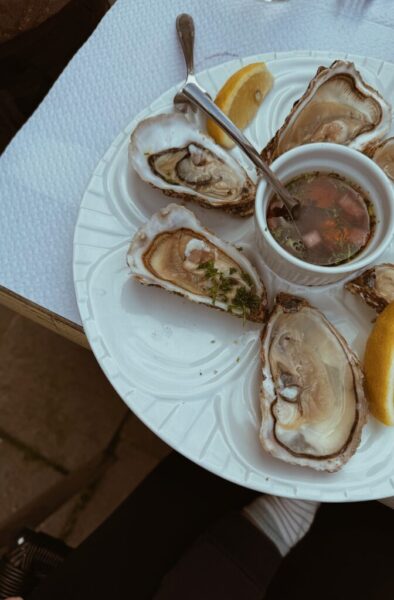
(375, 286)
(312, 395)
(338, 106)
(383, 155)
(175, 252)
(173, 155)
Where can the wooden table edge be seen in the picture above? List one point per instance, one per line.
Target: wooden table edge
(43, 316)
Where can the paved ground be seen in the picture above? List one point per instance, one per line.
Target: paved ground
(57, 410)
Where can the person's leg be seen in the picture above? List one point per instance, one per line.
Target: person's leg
(232, 560)
(284, 520)
(348, 553)
(129, 554)
(238, 556)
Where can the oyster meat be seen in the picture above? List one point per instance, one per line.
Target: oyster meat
(173, 155)
(375, 286)
(383, 155)
(312, 395)
(338, 106)
(174, 251)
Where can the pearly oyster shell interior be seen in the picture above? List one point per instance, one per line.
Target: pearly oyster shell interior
(338, 106)
(312, 397)
(375, 286)
(172, 154)
(383, 155)
(175, 252)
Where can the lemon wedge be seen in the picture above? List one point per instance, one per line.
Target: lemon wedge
(239, 99)
(379, 367)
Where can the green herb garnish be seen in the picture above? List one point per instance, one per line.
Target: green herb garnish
(247, 278)
(244, 301)
(209, 268)
(225, 283)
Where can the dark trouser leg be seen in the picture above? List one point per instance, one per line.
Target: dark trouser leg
(130, 553)
(348, 554)
(232, 560)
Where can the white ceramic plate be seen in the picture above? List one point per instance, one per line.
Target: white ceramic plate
(190, 373)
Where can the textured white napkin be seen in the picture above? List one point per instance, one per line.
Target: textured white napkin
(130, 59)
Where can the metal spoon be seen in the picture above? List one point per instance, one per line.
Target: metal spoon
(185, 30)
(193, 92)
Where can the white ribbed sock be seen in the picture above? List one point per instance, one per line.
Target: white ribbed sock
(283, 520)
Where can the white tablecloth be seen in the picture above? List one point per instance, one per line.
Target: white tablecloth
(130, 59)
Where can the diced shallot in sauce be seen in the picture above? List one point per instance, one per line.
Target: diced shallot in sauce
(311, 239)
(336, 219)
(352, 206)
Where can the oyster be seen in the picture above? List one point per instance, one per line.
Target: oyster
(171, 153)
(174, 251)
(312, 396)
(383, 155)
(375, 286)
(338, 106)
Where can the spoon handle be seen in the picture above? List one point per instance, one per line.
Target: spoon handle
(193, 92)
(185, 30)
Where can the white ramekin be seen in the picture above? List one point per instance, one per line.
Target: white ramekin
(326, 158)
